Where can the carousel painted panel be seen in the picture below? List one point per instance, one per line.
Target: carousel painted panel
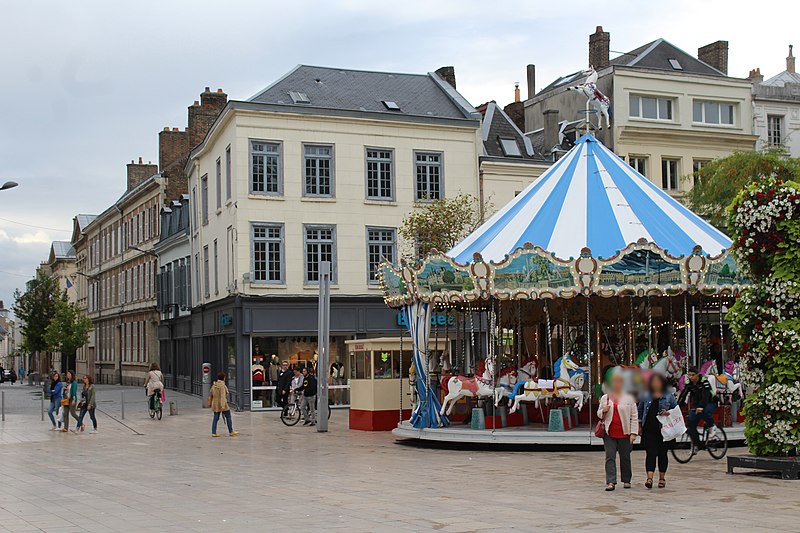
(722, 275)
(641, 270)
(532, 274)
(440, 279)
(394, 285)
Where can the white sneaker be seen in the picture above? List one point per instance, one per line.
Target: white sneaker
(713, 432)
(53, 428)
(92, 432)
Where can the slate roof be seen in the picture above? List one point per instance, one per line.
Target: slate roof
(654, 55)
(781, 79)
(84, 220)
(498, 125)
(361, 90)
(62, 250)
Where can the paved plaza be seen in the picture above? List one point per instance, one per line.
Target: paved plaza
(143, 475)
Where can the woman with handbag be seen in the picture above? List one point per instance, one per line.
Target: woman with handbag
(619, 423)
(71, 396)
(87, 404)
(657, 401)
(56, 392)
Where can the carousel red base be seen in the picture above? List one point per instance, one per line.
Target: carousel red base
(376, 420)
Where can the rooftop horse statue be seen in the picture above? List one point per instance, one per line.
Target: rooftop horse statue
(600, 102)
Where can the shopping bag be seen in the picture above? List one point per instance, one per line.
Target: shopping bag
(672, 424)
(163, 397)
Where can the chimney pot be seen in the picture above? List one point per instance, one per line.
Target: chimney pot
(174, 129)
(140, 160)
(790, 60)
(531, 75)
(166, 128)
(516, 91)
(208, 89)
(196, 102)
(220, 91)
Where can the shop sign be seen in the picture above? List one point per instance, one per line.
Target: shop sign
(225, 320)
(437, 319)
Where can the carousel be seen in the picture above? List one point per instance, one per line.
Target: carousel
(590, 267)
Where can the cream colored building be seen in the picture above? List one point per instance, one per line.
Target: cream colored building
(61, 266)
(323, 165)
(776, 109)
(671, 112)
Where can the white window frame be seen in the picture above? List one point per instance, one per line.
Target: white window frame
(378, 160)
(331, 170)
(206, 272)
(639, 163)
(719, 105)
(307, 242)
(216, 267)
(428, 165)
(380, 243)
(771, 130)
(204, 199)
(670, 178)
(228, 175)
(267, 240)
(218, 182)
(277, 154)
(640, 110)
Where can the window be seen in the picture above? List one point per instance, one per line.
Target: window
(380, 247)
(669, 174)
(380, 174)
(218, 183)
(774, 130)
(197, 277)
(510, 147)
(216, 268)
(639, 164)
(650, 107)
(228, 177)
(268, 253)
(265, 168)
(675, 64)
(229, 256)
(194, 208)
(697, 164)
(320, 242)
(712, 112)
(391, 106)
(206, 273)
(204, 199)
(429, 176)
(299, 98)
(319, 170)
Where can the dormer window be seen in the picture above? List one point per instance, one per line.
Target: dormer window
(510, 147)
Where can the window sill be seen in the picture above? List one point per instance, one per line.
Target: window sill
(219, 211)
(654, 120)
(375, 201)
(273, 197)
(315, 287)
(318, 199)
(716, 126)
(267, 285)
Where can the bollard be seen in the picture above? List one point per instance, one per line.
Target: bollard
(42, 396)
(122, 398)
(173, 408)
(3, 405)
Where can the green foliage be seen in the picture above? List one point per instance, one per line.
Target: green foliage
(441, 224)
(719, 181)
(36, 307)
(787, 263)
(68, 329)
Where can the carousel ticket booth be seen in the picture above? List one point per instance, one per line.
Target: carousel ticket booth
(379, 381)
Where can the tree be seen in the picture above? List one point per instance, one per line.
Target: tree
(36, 307)
(68, 329)
(441, 224)
(718, 182)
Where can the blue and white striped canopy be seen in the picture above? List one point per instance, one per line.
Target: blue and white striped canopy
(590, 198)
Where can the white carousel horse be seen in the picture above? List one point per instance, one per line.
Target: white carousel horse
(528, 370)
(724, 383)
(597, 99)
(458, 387)
(562, 386)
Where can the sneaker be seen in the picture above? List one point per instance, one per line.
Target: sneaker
(713, 433)
(215, 434)
(313, 424)
(76, 430)
(234, 433)
(93, 432)
(307, 422)
(64, 430)
(53, 428)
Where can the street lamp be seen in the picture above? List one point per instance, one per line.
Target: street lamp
(146, 252)
(8, 185)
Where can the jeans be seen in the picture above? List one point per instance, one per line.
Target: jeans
(308, 406)
(695, 417)
(623, 447)
(84, 410)
(69, 411)
(228, 420)
(52, 409)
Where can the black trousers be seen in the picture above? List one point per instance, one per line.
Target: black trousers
(655, 451)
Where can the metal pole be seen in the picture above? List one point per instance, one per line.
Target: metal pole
(122, 402)
(42, 397)
(323, 345)
(3, 405)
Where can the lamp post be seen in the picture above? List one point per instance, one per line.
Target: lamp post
(8, 185)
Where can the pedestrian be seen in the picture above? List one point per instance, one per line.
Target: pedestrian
(56, 392)
(621, 422)
(308, 405)
(296, 383)
(87, 404)
(72, 397)
(284, 384)
(218, 401)
(153, 384)
(657, 401)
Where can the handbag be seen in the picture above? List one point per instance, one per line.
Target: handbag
(600, 429)
(64, 402)
(672, 424)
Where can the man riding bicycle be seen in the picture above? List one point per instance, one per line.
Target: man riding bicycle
(701, 397)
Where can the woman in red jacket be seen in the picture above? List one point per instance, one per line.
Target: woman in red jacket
(621, 421)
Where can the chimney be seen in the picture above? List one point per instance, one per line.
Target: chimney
(139, 172)
(203, 115)
(516, 91)
(790, 61)
(531, 71)
(448, 74)
(599, 44)
(550, 129)
(516, 112)
(715, 54)
(755, 76)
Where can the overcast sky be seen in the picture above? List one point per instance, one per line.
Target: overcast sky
(87, 85)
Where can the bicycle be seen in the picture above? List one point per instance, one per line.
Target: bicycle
(291, 414)
(716, 446)
(154, 405)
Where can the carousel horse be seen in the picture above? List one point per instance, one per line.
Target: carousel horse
(668, 364)
(597, 99)
(527, 370)
(721, 383)
(458, 387)
(562, 386)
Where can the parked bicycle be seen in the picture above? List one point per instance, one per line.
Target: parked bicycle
(715, 444)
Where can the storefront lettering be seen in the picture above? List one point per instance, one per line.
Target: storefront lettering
(437, 319)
